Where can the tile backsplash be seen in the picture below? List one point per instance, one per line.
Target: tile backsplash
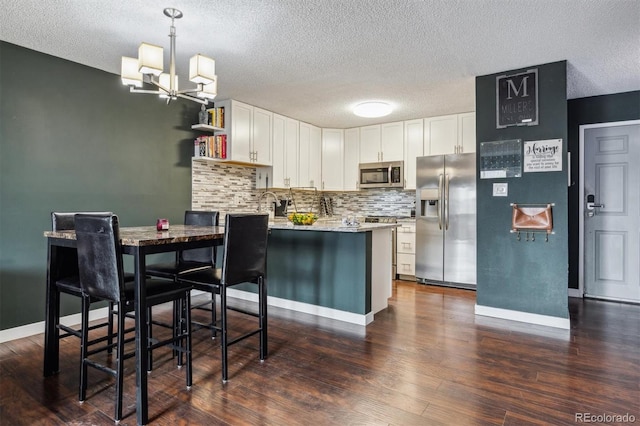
(231, 188)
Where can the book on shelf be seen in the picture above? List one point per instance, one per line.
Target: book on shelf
(211, 146)
(216, 117)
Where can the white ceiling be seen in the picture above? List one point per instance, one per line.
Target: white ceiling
(313, 60)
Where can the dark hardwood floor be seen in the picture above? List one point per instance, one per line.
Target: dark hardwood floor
(426, 360)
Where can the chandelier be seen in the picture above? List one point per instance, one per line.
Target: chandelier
(148, 68)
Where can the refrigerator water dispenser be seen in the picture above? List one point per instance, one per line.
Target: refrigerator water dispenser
(429, 203)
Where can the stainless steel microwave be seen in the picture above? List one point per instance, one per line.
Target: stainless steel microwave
(382, 175)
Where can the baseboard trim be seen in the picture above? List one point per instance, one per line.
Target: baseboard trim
(74, 319)
(575, 292)
(527, 317)
(38, 327)
(306, 308)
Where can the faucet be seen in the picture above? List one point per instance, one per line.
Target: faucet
(264, 195)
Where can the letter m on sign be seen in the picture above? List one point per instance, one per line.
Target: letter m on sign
(517, 99)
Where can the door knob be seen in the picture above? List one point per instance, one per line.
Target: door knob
(591, 204)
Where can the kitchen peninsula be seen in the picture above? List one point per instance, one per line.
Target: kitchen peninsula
(328, 270)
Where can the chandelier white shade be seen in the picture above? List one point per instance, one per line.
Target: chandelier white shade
(150, 59)
(202, 69)
(129, 72)
(148, 67)
(209, 91)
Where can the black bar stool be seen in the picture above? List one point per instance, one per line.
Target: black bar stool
(102, 278)
(244, 261)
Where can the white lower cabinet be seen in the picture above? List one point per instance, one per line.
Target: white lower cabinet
(406, 251)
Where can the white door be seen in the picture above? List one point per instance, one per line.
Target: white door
(612, 212)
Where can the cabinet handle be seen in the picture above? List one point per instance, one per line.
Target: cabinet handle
(255, 156)
(322, 184)
(311, 183)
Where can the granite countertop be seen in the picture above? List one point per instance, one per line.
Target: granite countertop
(330, 226)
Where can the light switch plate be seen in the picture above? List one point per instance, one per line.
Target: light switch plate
(500, 189)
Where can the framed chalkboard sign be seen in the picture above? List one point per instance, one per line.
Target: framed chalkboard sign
(517, 99)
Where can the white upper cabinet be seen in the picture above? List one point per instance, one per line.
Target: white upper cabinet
(285, 152)
(248, 133)
(450, 134)
(467, 132)
(443, 134)
(392, 141)
(332, 160)
(262, 136)
(370, 137)
(381, 142)
(310, 156)
(413, 148)
(351, 159)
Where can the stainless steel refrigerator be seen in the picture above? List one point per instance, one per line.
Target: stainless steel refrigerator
(446, 220)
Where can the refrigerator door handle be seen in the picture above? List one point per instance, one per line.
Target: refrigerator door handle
(440, 201)
(446, 203)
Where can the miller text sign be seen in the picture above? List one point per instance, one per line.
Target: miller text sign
(517, 99)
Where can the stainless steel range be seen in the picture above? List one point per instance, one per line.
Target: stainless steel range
(388, 219)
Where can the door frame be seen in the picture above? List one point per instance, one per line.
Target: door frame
(579, 292)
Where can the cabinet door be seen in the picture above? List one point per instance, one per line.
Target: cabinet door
(443, 134)
(310, 156)
(392, 141)
(351, 159)
(262, 136)
(413, 148)
(291, 151)
(279, 173)
(370, 144)
(332, 159)
(467, 132)
(304, 154)
(315, 158)
(241, 125)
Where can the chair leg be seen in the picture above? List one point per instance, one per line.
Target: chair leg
(178, 327)
(213, 315)
(149, 337)
(110, 328)
(262, 316)
(84, 342)
(120, 366)
(186, 332)
(223, 332)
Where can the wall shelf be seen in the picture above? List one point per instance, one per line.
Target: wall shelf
(206, 128)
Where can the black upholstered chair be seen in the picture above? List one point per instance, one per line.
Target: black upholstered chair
(188, 260)
(67, 280)
(192, 260)
(102, 278)
(244, 261)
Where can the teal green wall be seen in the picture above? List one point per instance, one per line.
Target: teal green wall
(73, 138)
(330, 269)
(518, 275)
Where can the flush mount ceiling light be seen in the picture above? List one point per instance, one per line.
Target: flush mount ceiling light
(372, 109)
(148, 68)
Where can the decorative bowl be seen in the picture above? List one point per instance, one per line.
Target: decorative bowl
(302, 218)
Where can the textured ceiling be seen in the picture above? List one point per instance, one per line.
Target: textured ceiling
(313, 60)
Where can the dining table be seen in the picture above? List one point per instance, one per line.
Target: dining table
(138, 242)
